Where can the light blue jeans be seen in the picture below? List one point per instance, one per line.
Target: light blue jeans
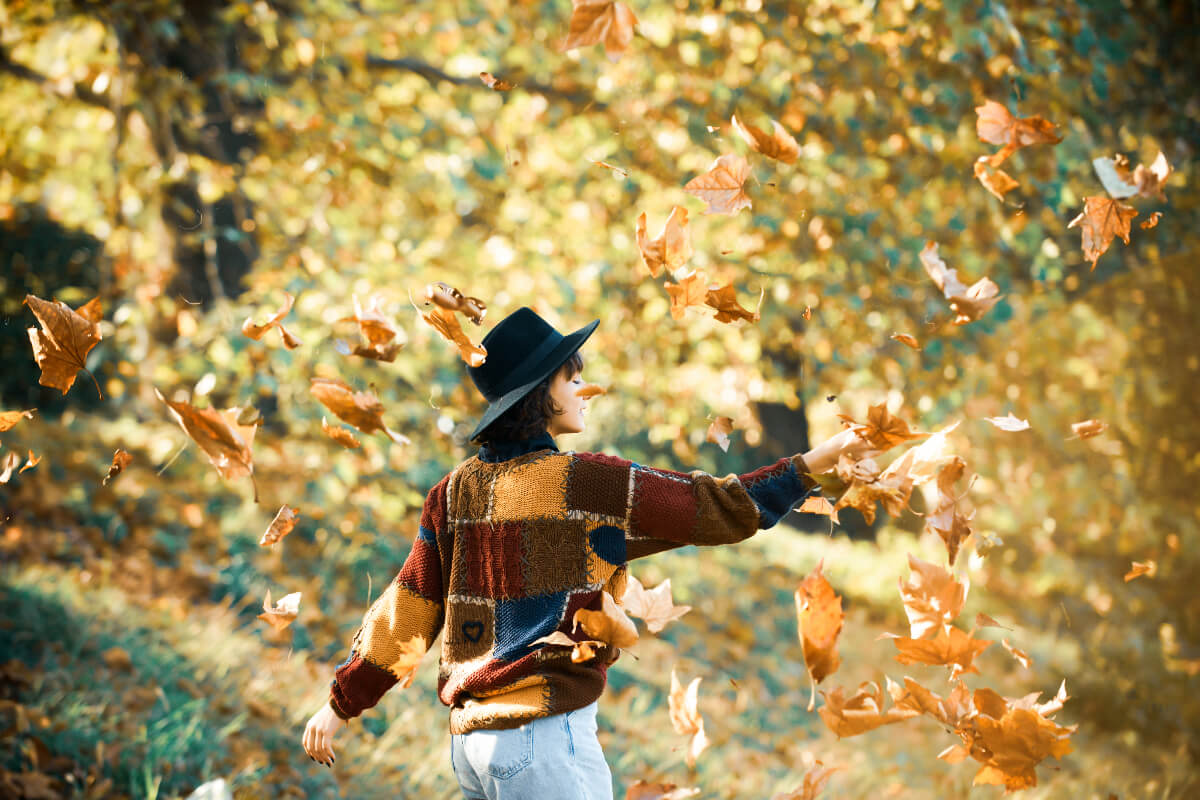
(552, 758)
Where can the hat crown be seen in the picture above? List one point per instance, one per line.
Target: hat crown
(516, 344)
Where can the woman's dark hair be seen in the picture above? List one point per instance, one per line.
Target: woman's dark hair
(532, 413)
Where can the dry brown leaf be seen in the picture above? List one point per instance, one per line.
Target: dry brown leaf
(718, 432)
(1140, 568)
(590, 390)
(446, 297)
(1121, 182)
(1009, 423)
(969, 303)
(492, 82)
(1088, 428)
(807, 313)
(1151, 221)
(685, 716)
(779, 144)
(225, 442)
(882, 429)
(952, 711)
(64, 341)
(283, 613)
(641, 790)
(8, 466)
(921, 463)
(1151, 180)
(692, 290)
(624, 173)
(932, 598)
(610, 625)
(865, 490)
(610, 23)
(984, 621)
(256, 332)
(996, 125)
(446, 323)
(1102, 219)
(1012, 746)
(1020, 655)
(581, 651)
(120, 460)
(946, 519)
(814, 782)
(407, 660)
(655, 606)
(954, 649)
(340, 435)
(363, 410)
(10, 418)
(671, 249)
(908, 339)
(861, 712)
(994, 179)
(280, 527)
(721, 187)
(814, 504)
(819, 617)
(31, 462)
(724, 300)
(379, 331)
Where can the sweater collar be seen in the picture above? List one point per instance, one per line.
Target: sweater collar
(495, 452)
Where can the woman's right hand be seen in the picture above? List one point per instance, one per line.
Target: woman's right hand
(824, 457)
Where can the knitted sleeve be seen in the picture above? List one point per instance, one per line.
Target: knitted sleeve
(664, 509)
(400, 625)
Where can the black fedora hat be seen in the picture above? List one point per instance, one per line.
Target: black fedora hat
(522, 351)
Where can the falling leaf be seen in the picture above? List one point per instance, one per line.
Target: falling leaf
(671, 249)
(446, 323)
(953, 711)
(1114, 174)
(581, 651)
(814, 782)
(1151, 180)
(921, 463)
(692, 290)
(996, 125)
(718, 432)
(492, 82)
(610, 625)
(255, 331)
(685, 716)
(377, 329)
(807, 313)
(1009, 423)
(819, 617)
(641, 790)
(31, 462)
(590, 390)
(610, 23)
(1150, 221)
(1020, 655)
(10, 463)
(994, 179)
(10, 418)
(363, 410)
(120, 460)
(62, 345)
(223, 440)
(861, 712)
(984, 621)
(946, 519)
(721, 186)
(407, 660)
(908, 339)
(445, 296)
(779, 144)
(969, 303)
(1088, 428)
(655, 606)
(724, 300)
(882, 429)
(815, 504)
(954, 649)
(1101, 220)
(340, 435)
(932, 598)
(280, 527)
(1140, 568)
(1012, 746)
(283, 613)
(624, 173)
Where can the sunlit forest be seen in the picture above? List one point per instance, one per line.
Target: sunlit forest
(247, 250)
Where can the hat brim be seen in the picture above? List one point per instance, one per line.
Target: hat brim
(553, 360)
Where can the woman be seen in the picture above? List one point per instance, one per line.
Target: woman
(511, 544)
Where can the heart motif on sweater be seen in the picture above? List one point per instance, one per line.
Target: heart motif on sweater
(472, 630)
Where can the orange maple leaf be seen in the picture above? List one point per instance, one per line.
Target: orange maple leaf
(670, 249)
(718, 432)
(1102, 219)
(283, 613)
(219, 434)
(932, 598)
(861, 712)
(996, 125)
(285, 520)
(64, 341)
(377, 329)
(692, 290)
(954, 649)
(969, 303)
(685, 715)
(994, 179)
(655, 606)
(724, 300)
(340, 435)
(594, 22)
(256, 331)
(10, 418)
(120, 460)
(363, 410)
(610, 625)
(779, 144)
(1140, 568)
(721, 187)
(819, 617)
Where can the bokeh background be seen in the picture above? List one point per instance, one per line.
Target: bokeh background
(189, 162)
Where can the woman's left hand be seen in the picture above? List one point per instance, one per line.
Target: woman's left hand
(318, 735)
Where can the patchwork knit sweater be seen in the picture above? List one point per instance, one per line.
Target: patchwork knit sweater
(511, 544)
